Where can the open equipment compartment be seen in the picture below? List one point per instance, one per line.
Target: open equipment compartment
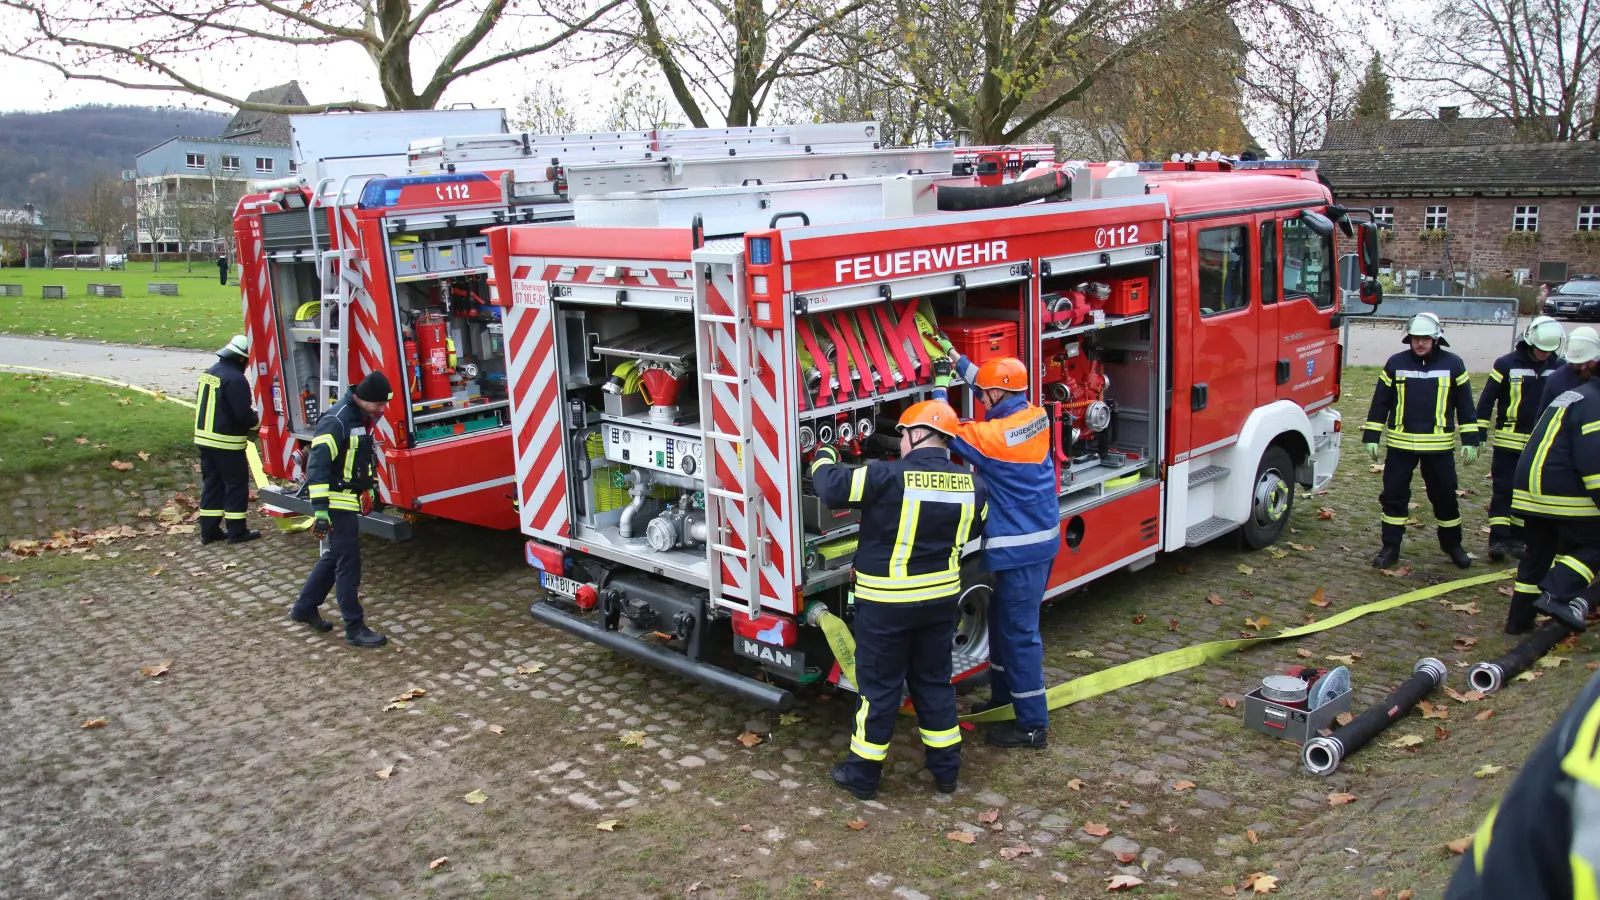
(296, 292)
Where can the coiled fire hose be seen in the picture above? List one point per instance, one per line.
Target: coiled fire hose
(1322, 754)
(1489, 677)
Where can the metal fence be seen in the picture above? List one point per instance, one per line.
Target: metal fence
(1501, 312)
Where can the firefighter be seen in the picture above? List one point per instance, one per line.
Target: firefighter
(1557, 492)
(223, 420)
(222, 267)
(1542, 840)
(1515, 386)
(339, 471)
(1424, 398)
(1582, 343)
(917, 513)
(1011, 450)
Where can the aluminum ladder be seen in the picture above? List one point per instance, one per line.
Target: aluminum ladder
(339, 279)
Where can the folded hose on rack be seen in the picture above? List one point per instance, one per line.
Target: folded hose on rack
(1016, 193)
(1489, 677)
(1322, 754)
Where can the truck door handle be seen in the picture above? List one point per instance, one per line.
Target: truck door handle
(1283, 371)
(1198, 397)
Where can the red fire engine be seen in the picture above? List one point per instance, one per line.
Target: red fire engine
(675, 359)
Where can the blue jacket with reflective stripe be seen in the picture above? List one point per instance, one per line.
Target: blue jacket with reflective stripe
(1011, 450)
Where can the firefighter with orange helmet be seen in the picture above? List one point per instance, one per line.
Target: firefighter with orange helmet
(917, 513)
(1011, 450)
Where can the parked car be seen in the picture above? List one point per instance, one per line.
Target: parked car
(115, 260)
(1574, 300)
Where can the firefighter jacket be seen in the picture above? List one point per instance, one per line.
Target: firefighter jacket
(1559, 472)
(1424, 402)
(1543, 838)
(340, 469)
(1509, 406)
(1556, 383)
(1011, 450)
(223, 415)
(917, 514)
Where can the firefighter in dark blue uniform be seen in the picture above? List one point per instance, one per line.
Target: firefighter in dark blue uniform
(223, 420)
(1583, 343)
(1508, 409)
(339, 471)
(1557, 493)
(917, 514)
(1542, 840)
(1424, 399)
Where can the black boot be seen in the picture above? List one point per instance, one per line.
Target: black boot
(945, 787)
(1519, 622)
(1011, 735)
(1387, 557)
(313, 618)
(985, 706)
(1570, 613)
(841, 777)
(1515, 549)
(1458, 555)
(1499, 550)
(243, 537)
(357, 634)
(207, 537)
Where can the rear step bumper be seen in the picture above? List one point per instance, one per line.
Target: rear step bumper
(760, 693)
(383, 525)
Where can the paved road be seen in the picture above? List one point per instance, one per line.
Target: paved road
(173, 371)
(1477, 345)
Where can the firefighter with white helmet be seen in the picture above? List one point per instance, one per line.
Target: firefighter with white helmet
(1424, 402)
(1509, 408)
(223, 420)
(1583, 355)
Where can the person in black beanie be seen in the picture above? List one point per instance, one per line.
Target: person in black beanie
(338, 472)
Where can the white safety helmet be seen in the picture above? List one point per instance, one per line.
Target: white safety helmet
(239, 346)
(1425, 325)
(1583, 345)
(1544, 333)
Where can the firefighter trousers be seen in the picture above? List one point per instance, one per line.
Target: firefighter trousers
(1016, 652)
(1562, 557)
(904, 644)
(1504, 525)
(1438, 476)
(224, 492)
(339, 566)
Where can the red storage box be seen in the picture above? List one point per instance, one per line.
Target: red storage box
(981, 340)
(1129, 297)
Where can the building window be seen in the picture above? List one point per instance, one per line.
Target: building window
(264, 165)
(1436, 218)
(1525, 218)
(195, 160)
(293, 169)
(1224, 269)
(1383, 217)
(230, 163)
(1589, 218)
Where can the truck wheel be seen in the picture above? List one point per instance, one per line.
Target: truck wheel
(1271, 499)
(972, 627)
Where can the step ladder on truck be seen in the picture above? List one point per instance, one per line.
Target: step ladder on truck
(1189, 386)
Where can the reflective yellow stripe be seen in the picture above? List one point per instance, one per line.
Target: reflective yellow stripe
(1592, 482)
(948, 737)
(1395, 520)
(1463, 378)
(210, 512)
(932, 592)
(344, 500)
(1375, 426)
(1480, 840)
(1580, 761)
(1494, 375)
(1402, 440)
(963, 527)
(319, 491)
(858, 484)
(1590, 428)
(233, 515)
(1384, 377)
(1514, 404)
(350, 458)
(1510, 440)
(820, 461)
(1499, 520)
(1517, 521)
(859, 745)
(333, 445)
(1524, 588)
(1584, 572)
(1400, 403)
(1528, 502)
(1449, 523)
(900, 556)
(220, 441)
(1583, 881)
(1441, 405)
(1536, 473)
(909, 581)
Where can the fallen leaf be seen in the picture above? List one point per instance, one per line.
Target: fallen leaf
(1340, 799)
(1172, 625)
(1464, 641)
(1260, 623)
(156, 670)
(1229, 702)
(856, 824)
(1439, 733)
(1409, 740)
(1277, 554)
(790, 719)
(1459, 847)
(1014, 852)
(1182, 785)
(1505, 590)
(1380, 893)
(396, 704)
(1213, 599)
(438, 862)
(1122, 882)
(1080, 654)
(1262, 883)
(1319, 598)
(1229, 890)
(1401, 572)
(1460, 697)
(1378, 467)
(1429, 711)
(384, 773)
(1325, 513)
(1076, 784)
(1183, 569)
(989, 816)
(962, 837)
(1470, 607)
(1095, 829)
(530, 669)
(1347, 660)
(121, 466)
(497, 729)
(1139, 620)
(1484, 716)
(608, 825)
(631, 738)
(1406, 894)
(94, 723)
(749, 739)
(1303, 653)
(1244, 569)
(476, 797)
(1487, 771)
(1252, 837)
(1550, 662)
(1529, 675)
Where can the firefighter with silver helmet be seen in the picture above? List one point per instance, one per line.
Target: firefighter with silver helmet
(917, 513)
(1424, 402)
(223, 420)
(1509, 408)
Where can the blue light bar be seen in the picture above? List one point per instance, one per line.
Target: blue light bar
(382, 193)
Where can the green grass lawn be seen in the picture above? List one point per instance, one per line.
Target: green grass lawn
(48, 423)
(203, 315)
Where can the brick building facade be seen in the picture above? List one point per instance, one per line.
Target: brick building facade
(1462, 198)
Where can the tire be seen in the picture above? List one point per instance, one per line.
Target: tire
(1271, 500)
(972, 628)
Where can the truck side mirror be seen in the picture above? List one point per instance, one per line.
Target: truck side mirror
(1317, 222)
(1369, 249)
(1371, 292)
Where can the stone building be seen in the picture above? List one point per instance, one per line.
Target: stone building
(1464, 198)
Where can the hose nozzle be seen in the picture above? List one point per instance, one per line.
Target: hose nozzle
(1486, 677)
(1322, 755)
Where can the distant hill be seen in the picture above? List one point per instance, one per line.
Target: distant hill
(44, 155)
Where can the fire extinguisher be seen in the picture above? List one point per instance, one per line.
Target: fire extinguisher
(433, 347)
(413, 371)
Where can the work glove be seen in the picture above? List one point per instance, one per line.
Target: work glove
(1469, 453)
(945, 345)
(321, 523)
(828, 453)
(1372, 451)
(941, 381)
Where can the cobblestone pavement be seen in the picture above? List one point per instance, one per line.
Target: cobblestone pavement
(173, 371)
(249, 767)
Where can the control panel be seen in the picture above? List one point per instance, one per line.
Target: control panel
(657, 450)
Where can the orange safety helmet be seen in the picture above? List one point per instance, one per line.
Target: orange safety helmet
(936, 415)
(1006, 373)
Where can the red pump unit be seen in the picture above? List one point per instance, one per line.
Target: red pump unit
(433, 343)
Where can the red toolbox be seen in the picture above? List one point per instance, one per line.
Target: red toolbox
(981, 340)
(1129, 297)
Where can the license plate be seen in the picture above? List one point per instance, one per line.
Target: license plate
(555, 584)
(1568, 307)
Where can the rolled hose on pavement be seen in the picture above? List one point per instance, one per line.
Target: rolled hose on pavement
(1488, 677)
(1322, 754)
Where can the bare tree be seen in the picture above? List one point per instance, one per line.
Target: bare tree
(1294, 97)
(545, 109)
(99, 205)
(151, 217)
(640, 107)
(1533, 61)
(175, 45)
